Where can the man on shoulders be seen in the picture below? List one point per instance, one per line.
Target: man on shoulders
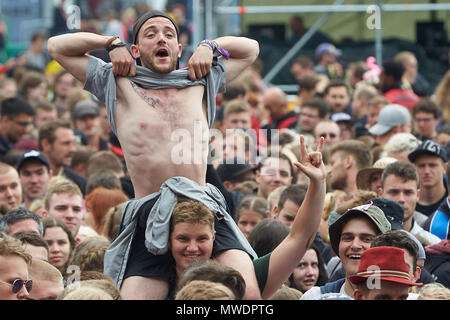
(147, 104)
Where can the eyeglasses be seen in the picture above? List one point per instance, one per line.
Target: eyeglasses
(308, 115)
(19, 283)
(423, 119)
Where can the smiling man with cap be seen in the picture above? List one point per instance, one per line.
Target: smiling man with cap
(392, 119)
(149, 103)
(350, 235)
(35, 174)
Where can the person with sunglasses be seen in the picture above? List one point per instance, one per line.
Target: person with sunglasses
(329, 130)
(14, 281)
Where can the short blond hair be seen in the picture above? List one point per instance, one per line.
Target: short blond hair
(10, 246)
(42, 270)
(434, 291)
(191, 211)
(62, 185)
(88, 293)
(236, 106)
(204, 290)
(274, 197)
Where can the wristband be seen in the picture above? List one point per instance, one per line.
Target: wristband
(115, 45)
(214, 47)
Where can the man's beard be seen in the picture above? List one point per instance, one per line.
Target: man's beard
(148, 63)
(339, 184)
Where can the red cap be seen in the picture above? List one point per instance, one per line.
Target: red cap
(383, 263)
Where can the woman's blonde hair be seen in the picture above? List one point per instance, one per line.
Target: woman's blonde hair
(434, 291)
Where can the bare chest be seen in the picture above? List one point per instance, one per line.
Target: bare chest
(167, 105)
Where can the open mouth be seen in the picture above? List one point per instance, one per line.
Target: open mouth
(162, 53)
(354, 256)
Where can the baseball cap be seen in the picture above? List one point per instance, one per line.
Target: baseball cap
(383, 263)
(363, 176)
(85, 108)
(341, 117)
(233, 168)
(32, 154)
(327, 48)
(390, 116)
(393, 211)
(375, 214)
(428, 147)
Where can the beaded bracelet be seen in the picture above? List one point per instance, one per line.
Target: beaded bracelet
(215, 47)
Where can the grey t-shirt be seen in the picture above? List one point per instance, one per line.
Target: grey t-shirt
(100, 81)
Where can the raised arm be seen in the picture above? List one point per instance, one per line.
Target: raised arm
(70, 51)
(288, 253)
(243, 52)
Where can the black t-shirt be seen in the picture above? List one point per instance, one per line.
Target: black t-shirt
(430, 209)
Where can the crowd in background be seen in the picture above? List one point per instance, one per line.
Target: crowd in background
(386, 130)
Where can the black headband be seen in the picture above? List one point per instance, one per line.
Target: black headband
(150, 14)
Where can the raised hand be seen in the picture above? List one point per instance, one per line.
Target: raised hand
(123, 62)
(200, 63)
(311, 164)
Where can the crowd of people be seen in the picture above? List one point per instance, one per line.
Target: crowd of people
(131, 171)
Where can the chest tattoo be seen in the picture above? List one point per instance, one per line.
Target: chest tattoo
(152, 102)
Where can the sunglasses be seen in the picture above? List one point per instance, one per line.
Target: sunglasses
(331, 135)
(19, 283)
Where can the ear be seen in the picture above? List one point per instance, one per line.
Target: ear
(417, 274)
(348, 162)
(45, 145)
(135, 51)
(180, 50)
(357, 294)
(275, 212)
(257, 175)
(380, 192)
(214, 236)
(228, 185)
(4, 119)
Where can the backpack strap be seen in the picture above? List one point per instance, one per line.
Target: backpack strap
(439, 224)
(332, 287)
